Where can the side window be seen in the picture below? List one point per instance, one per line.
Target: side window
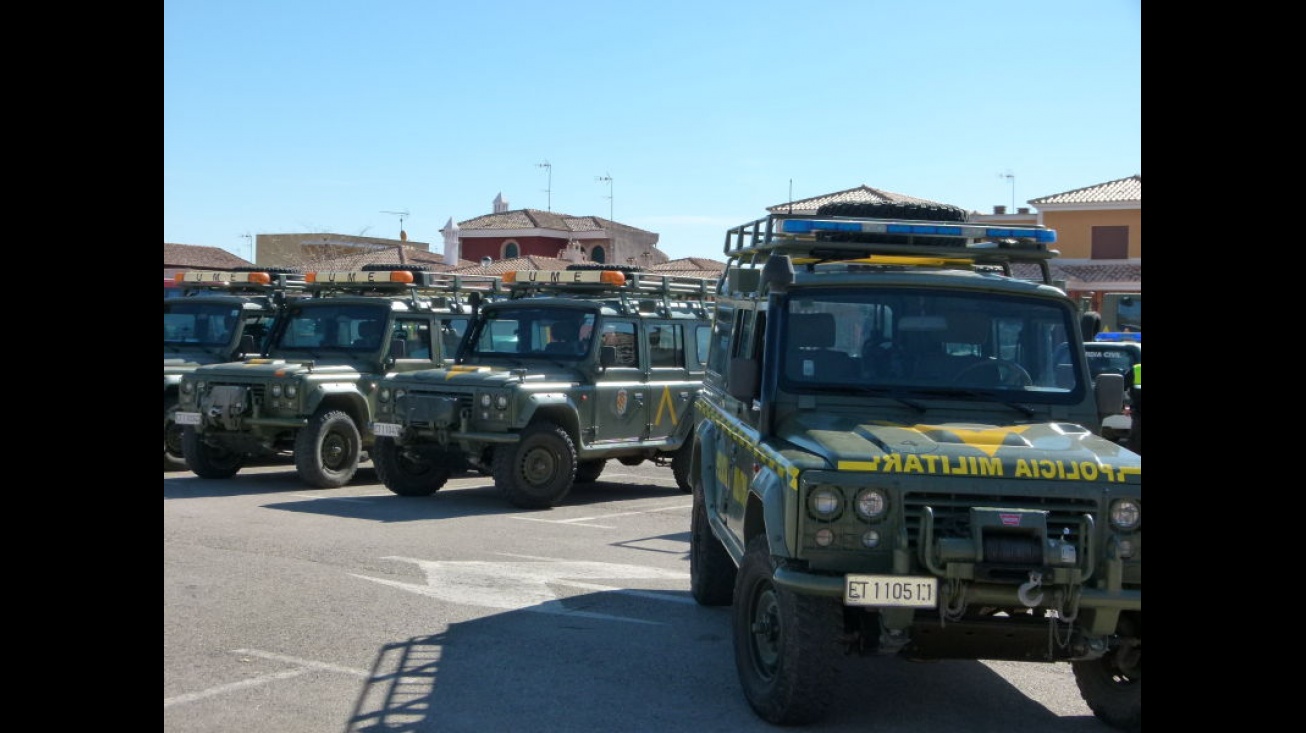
(451, 334)
(621, 336)
(417, 334)
(719, 352)
(666, 345)
(703, 336)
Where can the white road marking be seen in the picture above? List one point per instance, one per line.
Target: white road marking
(581, 520)
(302, 666)
(526, 585)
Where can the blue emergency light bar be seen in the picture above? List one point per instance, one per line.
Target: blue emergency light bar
(1120, 336)
(811, 226)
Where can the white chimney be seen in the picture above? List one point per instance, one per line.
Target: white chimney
(452, 247)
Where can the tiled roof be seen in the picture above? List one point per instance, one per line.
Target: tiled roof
(1081, 275)
(534, 219)
(200, 257)
(387, 256)
(708, 268)
(860, 194)
(1124, 189)
(498, 267)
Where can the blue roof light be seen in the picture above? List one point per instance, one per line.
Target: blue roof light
(810, 226)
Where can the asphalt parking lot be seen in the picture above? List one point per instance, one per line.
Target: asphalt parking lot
(301, 610)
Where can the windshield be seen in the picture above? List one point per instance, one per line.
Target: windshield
(198, 324)
(909, 340)
(537, 331)
(333, 327)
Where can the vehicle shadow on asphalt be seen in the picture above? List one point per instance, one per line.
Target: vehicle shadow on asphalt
(613, 662)
(465, 495)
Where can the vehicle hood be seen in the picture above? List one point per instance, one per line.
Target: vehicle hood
(489, 376)
(258, 368)
(1031, 450)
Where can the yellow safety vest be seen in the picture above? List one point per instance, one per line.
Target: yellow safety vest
(1138, 374)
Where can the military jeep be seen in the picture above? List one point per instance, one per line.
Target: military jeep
(574, 368)
(312, 395)
(218, 317)
(892, 458)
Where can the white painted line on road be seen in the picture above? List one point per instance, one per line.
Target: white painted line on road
(303, 666)
(581, 520)
(527, 586)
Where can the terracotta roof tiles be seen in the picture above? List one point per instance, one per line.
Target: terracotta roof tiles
(1123, 189)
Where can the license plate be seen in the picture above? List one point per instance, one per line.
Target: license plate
(186, 418)
(386, 429)
(907, 591)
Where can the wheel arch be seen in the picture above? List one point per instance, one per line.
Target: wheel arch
(765, 511)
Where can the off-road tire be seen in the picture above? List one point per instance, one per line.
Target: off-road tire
(1112, 686)
(680, 461)
(381, 267)
(327, 449)
(712, 573)
(587, 472)
(589, 266)
(538, 471)
(174, 456)
(886, 210)
(786, 644)
(207, 461)
(406, 473)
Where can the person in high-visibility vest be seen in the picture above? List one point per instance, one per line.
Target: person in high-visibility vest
(1135, 441)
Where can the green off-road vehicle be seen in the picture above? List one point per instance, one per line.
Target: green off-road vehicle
(891, 458)
(574, 368)
(219, 317)
(312, 394)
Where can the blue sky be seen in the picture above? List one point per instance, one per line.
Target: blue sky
(295, 116)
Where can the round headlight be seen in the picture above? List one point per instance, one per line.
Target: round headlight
(187, 387)
(1126, 514)
(383, 395)
(824, 502)
(276, 390)
(871, 539)
(291, 390)
(485, 400)
(824, 537)
(501, 402)
(872, 503)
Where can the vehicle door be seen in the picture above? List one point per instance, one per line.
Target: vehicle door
(675, 376)
(622, 399)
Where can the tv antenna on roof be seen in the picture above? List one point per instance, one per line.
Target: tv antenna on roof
(548, 191)
(608, 178)
(402, 215)
(1011, 177)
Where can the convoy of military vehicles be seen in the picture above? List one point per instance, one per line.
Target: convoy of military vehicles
(894, 445)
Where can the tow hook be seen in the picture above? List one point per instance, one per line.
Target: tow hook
(1035, 580)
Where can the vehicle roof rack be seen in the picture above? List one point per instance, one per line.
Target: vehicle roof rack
(618, 282)
(440, 288)
(241, 282)
(814, 239)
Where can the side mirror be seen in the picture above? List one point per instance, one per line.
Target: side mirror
(607, 356)
(1110, 394)
(743, 378)
(248, 347)
(399, 348)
